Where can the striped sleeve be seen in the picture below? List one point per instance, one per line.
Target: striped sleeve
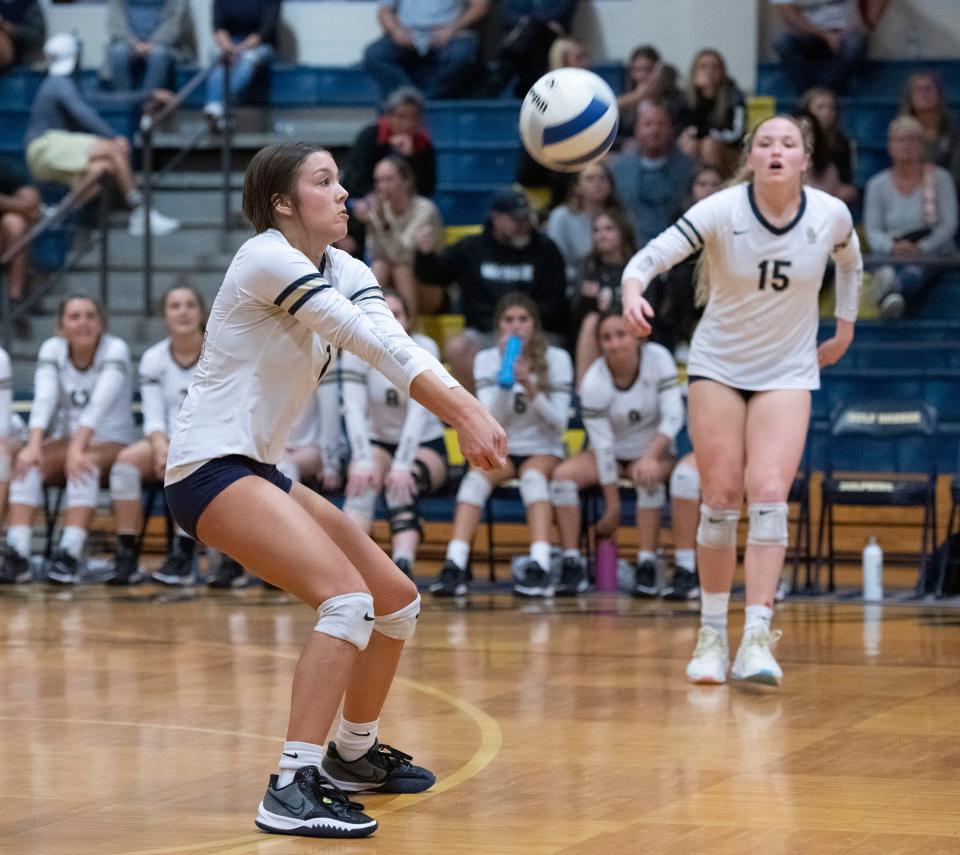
(845, 253)
(669, 394)
(594, 407)
(111, 381)
(553, 404)
(353, 376)
(46, 385)
(151, 394)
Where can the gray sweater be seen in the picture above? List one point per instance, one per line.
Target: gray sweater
(887, 214)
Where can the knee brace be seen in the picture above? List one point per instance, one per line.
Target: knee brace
(474, 489)
(685, 482)
(564, 494)
(348, 617)
(421, 477)
(82, 492)
(718, 527)
(4, 465)
(401, 624)
(403, 516)
(125, 483)
(768, 523)
(27, 490)
(290, 469)
(534, 487)
(651, 499)
(365, 503)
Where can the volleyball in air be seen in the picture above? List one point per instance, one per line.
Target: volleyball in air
(569, 119)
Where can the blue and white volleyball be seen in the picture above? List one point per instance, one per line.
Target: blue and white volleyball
(569, 119)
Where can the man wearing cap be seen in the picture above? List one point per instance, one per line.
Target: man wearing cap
(510, 255)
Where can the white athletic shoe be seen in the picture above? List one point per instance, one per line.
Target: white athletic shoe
(710, 659)
(159, 224)
(754, 661)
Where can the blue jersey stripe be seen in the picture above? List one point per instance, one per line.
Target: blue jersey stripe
(313, 291)
(286, 292)
(558, 133)
(594, 153)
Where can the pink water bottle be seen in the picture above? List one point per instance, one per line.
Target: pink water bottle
(607, 556)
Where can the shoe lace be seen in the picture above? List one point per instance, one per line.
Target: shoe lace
(709, 641)
(324, 788)
(390, 757)
(763, 638)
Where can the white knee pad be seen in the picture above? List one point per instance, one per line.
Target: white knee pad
(125, 483)
(401, 624)
(27, 490)
(534, 487)
(718, 527)
(4, 465)
(474, 489)
(82, 492)
(564, 494)
(348, 617)
(290, 469)
(651, 499)
(768, 523)
(685, 482)
(365, 503)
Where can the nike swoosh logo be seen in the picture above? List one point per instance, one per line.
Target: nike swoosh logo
(294, 806)
(368, 617)
(712, 521)
(741, 232)
(360, 734)
(288, 754)
(764, 513)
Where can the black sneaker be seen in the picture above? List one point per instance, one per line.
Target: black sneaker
(126, 570)
(310, 806)
(382, 769)
(229, 575)
(62, 568)
(535, 582)
(646, 580)
(452, 581)
(684, 585)
(15, 569)
(180, 566)
(573, 578)
(404, 566)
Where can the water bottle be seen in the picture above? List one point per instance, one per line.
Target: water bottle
(510, 353)
(872, 571)
(607, 555)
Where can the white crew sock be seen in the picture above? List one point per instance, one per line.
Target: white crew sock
(18, 539)
(757, 619)
(73, 539)
(295, 756)
(458, 551)
(713, 610)
(686, 558)
(645, 555)
(540, 552)
(571, 553)
(403, 555)
(354, 740)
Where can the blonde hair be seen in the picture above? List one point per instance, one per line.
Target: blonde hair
(905, 124)
(557, 55)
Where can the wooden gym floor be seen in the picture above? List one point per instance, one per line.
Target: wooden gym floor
(147, 722)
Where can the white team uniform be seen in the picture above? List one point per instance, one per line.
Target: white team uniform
(621, 423)
(66, 398)
(759, 328)
(319, 423)
(374, 408)
(269, 342)
(533, 427)
(163, 386)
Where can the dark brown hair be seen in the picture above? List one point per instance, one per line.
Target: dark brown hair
(62, 308)
(201, 302)
(535, 348)
(272, 174)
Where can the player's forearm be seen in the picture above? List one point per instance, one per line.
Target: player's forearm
(454, 405)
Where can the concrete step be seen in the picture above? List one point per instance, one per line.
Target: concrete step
(125, 288)
(186, 249)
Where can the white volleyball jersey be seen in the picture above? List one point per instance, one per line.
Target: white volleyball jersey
(319, 421)
(533, 427)
(759, 328)
(163, 386)
(269, 341)
(99, 397)
(621, 423)
(374, 408)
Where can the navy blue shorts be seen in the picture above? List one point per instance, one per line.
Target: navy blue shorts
(187, 499)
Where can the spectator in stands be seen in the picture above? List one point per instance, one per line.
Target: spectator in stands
(570, 225)
(568, 52)
(396, 446)
(146, 36)
(244, 33)
(910, 211)
(633, 410)
(80, 421)
(925, 98)
(825, 40)
(426, 43)
(831, 146)
(394, 215)
(69, 143)
(22, 30)
(652, 180)
(19, 208)
(510, 255)
(717, 113)
(533, 405)
(648, 77)
(599, 286)
(530, 28)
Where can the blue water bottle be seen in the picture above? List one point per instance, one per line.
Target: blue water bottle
(510, 354)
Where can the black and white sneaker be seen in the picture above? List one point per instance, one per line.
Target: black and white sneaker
(311, 806)
(126, 570)
(452, 581)
(15, 569)
(179, 568)
(684, 585)
(382, 769)
(229, 575)
(404, 566)
(573, 578)
(535, 582)
(645, 584)
(62, 568)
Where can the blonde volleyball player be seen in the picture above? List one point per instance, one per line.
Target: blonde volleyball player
(632, 409)
(396, 445)
(753, 362)
(533, 405)
(287, 300)
(166, 370)
(79, 422)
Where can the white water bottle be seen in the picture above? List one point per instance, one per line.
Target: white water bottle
(872, 571)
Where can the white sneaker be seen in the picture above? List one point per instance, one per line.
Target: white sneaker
(754, 661)
(159, 224)
(710, 659)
